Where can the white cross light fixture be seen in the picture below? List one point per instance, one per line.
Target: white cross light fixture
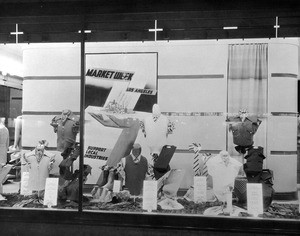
(86, 31)
(17, 33)
(155, 30)
(276, 27)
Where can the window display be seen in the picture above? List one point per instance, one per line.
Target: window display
(149, 118)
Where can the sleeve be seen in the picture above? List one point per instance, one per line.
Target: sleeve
(142, 126)
(51, 161)
(211, 167)
(105, 122)
(120, 122)
(18, 131)
(54, 123)
(149, 173)
(27, 160)
(237, 166)
(121, 170)
(171, 127)
(76, 127)
(7, 140)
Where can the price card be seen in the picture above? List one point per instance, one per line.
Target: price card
(25, 184)
(254, 199)
(117, 186)
(51, 191)
(200, 189)
(150, 195)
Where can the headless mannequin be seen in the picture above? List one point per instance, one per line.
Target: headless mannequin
(15, 149)
(40, 163)
(135, 167)
(4, 141)
(66, 126)
(223, 169)
(156, 130)
(243, 128)
(18, 133)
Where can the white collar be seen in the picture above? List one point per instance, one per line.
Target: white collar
(134, 158)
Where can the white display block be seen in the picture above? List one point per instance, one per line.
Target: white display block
(285, 179)
(200, 186)
(51, 191)
(202, 94)
(254, 199)
(150, 195)
(282, 133)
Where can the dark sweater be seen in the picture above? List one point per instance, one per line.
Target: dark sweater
(135, 174)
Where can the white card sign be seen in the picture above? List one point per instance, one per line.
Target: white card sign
(254, 199)
(117, 186)
(200, 189)
(25, 184)
(150, 195)
(51, 191)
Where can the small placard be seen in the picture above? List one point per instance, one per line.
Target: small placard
(200, 189)
(254, 199)
(150, 195)
(51, 191)
(25, 184)
(117, 186)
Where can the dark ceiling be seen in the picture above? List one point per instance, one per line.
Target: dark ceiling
(123, 20)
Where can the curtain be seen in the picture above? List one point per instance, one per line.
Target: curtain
(247, 86)
(247, 78)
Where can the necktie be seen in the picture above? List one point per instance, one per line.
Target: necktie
(196, 164)
(206, 157)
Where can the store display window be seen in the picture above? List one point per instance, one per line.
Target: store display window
(199, 128)
(206, 134)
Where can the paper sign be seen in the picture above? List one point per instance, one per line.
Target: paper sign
(25, 184)
(200, 189)
(254, 199)
(51, 191)
(117, 186)
(150, 195)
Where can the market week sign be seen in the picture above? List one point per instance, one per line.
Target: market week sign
(110, 74)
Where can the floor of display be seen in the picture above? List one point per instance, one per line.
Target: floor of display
(278, 209)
